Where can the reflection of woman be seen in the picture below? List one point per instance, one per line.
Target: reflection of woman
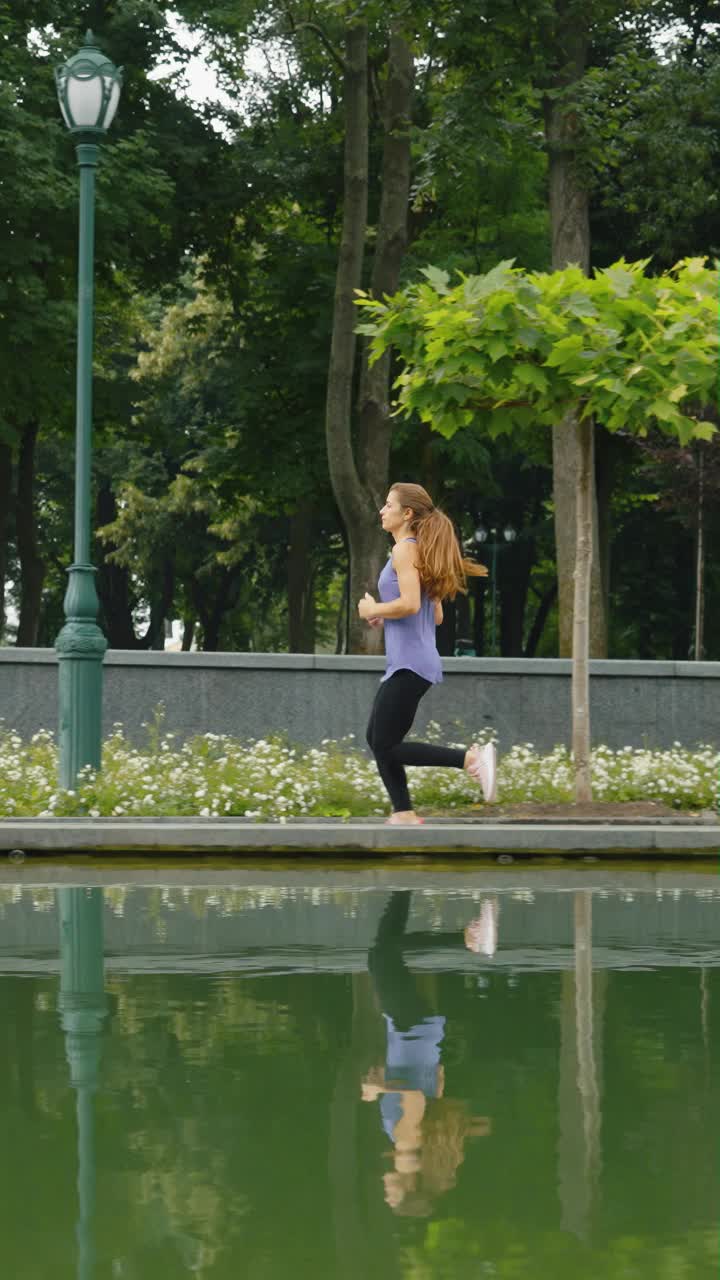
(481, 934)
(427, 1130)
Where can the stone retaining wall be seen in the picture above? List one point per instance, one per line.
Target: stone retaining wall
(315, 697)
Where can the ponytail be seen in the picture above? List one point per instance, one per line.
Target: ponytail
(442, 568)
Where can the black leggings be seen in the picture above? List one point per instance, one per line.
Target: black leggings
(396, 702)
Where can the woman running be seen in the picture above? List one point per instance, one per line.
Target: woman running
(424, 569)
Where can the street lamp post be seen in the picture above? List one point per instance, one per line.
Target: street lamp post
(480, 537)
(88, 87)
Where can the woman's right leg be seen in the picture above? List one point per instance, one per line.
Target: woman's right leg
(396, 702)
(393, 712)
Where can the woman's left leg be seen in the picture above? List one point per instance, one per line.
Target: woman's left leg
(427, 753)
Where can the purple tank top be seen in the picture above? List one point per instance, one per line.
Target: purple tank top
(409, 642)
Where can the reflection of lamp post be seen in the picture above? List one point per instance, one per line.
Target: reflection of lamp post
(88, 88)
(83, 1008)
(480, 536)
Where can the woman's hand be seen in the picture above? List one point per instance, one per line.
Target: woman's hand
(366, 607)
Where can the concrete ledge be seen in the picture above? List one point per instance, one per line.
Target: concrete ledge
(236, 837)
(630, 668)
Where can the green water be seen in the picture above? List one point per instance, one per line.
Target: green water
(222, 1083)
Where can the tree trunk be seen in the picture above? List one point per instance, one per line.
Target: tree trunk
(113, 580)
(463, 625)
(6, 473)
(478, 587)
(160, 606)
(301, 595)
(539, 621)
(188, 633)
(570, 230)
(683, 601)
(359, 485)
(581, 614)
(573, 472)
(32, 567)
(608, 450)
(566, 465)
(700, 558)
(211, 611)
(374, 423)
(352, 503)
(341, 629)
(514, 586)
(446, 633)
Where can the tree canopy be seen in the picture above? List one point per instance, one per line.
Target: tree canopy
(513, 349)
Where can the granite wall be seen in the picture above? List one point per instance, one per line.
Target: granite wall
(315, 697)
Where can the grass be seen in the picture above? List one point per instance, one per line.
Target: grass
(215, 775)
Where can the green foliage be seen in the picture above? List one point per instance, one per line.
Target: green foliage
(216, 251)
(201, 486)
(650, 154)
(514, 350)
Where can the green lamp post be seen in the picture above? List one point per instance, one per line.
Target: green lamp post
(88, 87)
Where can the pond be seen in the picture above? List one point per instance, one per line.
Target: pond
(341, 1076)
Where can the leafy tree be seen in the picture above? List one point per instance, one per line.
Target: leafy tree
(215, 385)
(156, 196)
(513, 350)
(651, 156)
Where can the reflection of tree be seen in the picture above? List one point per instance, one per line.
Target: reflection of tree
(184, 1062)
(705, 1016)
(349, 1224)
(578, 1087)
(662, 1130)
(24, 1019)
(465, 1248)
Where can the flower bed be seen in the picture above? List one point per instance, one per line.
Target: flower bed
(215, 775)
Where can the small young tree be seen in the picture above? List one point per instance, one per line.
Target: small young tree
(514, 351)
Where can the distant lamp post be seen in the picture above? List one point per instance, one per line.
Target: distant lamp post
(88, 88)
(480, 537)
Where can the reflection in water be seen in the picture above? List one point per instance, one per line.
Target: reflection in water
(83, 1008)
(428, 1130)
(301, 1087)
(481, 934)
(579, 1092)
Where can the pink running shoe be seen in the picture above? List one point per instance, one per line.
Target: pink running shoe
(483, 768)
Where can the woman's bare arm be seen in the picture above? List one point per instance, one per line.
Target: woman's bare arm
(408, 602)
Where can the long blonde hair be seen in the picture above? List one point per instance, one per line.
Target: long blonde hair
(440, 563)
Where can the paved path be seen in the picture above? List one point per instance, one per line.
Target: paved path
(207, 836)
